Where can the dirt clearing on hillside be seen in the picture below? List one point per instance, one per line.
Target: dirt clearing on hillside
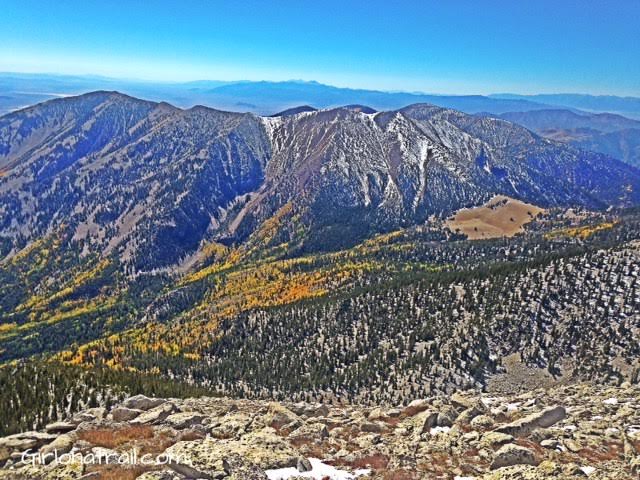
(499, 217)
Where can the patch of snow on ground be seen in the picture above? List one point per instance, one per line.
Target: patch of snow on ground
(610, 401)
(464, 478)
(319, 471)
(271, 124)
(439, 430)
(588, 470)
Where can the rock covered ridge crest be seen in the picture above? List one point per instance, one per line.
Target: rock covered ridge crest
(574, 431)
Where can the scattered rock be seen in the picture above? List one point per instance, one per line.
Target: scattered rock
(491, 439)
(512, 454)
(310, 432)
(60, 427)
(372, 427)
(446, 417)
(470, 413)
(25, 441)
(572, 445)
(124, 414)
(376, 414)
(415, 407)
(242, 445)
(205, 458)
(304, 465)
(550, 443)
(231, 425)
(313, 410)
(182, 420)
(140, 402)
(482, 422)
(89, 415)
(278, 416)
(238, 468)
(18, 444)
(462, 401)
(155, 415)
(61, 445)
(424, 421)
(523, 426)
(160, 475)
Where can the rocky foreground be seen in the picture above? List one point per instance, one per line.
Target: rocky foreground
(568, 432)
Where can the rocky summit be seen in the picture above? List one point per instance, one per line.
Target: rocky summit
(570, 432)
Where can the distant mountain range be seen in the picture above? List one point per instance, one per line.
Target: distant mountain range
(266, 98)
(628, 106)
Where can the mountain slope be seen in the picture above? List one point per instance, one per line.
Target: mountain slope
(539, 434)
(224, 249)
(610, 134)
(622, 144)
(628, 106)
(346, 171)
(150, 182)
(144, 179)
(540, 120)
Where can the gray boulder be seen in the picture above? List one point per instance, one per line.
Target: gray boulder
(155, 415)
(512, 454)
(60, 427)
(182, 420)
(304, 465)
(89, 415)
(61, 445)
(141, 402)
(524, 426)
(124, 414)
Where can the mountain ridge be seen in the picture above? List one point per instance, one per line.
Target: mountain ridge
(606, 133)
(626, 105)
(258, 97)
(395, 168)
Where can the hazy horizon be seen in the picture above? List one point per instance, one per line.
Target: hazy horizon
(293, 80)
(432, 47)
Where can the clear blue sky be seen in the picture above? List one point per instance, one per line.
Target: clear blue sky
(444, 46)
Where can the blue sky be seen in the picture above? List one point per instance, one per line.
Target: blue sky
(447, 46)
